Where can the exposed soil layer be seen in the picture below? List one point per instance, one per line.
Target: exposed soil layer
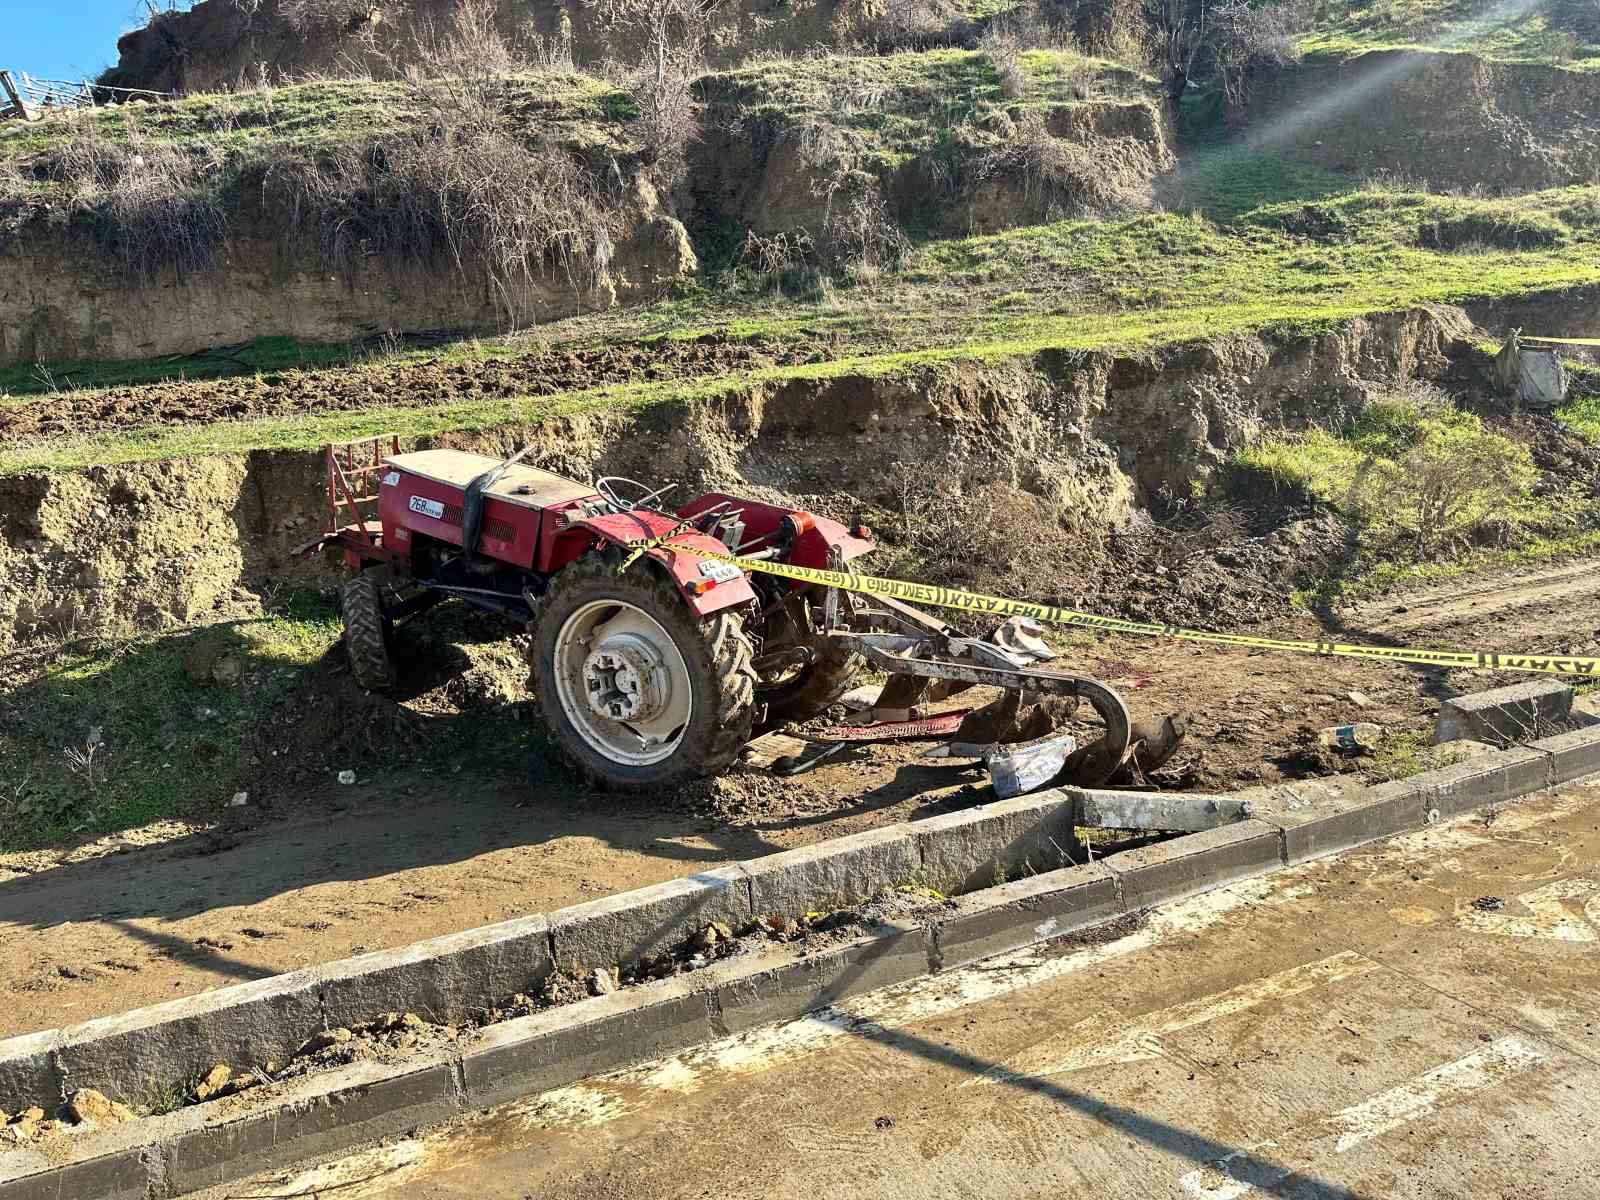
(430, 840)
(436, 381)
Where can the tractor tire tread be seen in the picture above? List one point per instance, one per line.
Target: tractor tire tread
(725, 653)
(366, 633)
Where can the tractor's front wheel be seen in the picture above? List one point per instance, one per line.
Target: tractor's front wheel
(639, 692)
(367, 630)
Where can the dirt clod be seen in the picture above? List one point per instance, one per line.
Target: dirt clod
(89, 1107)
(325, 1041)
(216, 1079)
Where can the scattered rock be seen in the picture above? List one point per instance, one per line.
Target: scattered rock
(202, 660)
(602, 982)
(712, 934)
(227, 671)
(883, 1124)
(240, 799)
(89, 1107)
(1363, 735)
(215, 1081)
(1488, 904)
(347, 777)
(1359, 699)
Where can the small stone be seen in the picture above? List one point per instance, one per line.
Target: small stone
(1359, 699)
(88, 1106)
(347, 777)
(227, 671)
(215, 1081)
(602, 982)
(240, 800)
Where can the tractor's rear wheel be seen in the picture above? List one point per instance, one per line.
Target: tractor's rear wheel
(638, 691)
(810, 691)
(367, 632)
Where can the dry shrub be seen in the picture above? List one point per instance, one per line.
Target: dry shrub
(993, 537)
(151, 208)
(1003, 43)
(305, 17)
(675, 36)
(859, 233)
(471, 197)
(787, 259)
(1061, 178)
(1247, 40)
(469, 47)
(1432, 476)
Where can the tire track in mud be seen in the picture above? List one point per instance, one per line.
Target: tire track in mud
(1554, 608)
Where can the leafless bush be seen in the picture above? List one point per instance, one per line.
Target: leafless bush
(151, 208)
(473, 197)
(468, 47)
(1063, 178)
(304, 17)
(675, 35)
(1247, 39)
(906, 25)
(778, 253)
(1003, 43)
(858, 231)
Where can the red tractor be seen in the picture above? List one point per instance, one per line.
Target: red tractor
(659, 673)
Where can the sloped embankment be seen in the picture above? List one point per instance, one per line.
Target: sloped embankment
(1095, 435)
(1450, 120)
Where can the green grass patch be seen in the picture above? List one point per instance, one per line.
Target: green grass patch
(1150, 280)
(1581, 414)
(110, 736)
(884, 109)
(1561, 33)
(1435, 493)
(580, 110)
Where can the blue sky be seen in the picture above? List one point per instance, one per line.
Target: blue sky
(65, 39)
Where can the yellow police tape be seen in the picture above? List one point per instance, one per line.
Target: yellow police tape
(1565, 341)
(943, 597)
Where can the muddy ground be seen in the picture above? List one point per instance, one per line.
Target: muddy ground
(433, 381)
(429, 842)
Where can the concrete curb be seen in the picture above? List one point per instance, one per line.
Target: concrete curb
(160, 1157)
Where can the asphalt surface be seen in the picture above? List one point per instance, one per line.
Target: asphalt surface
(1417, 1019)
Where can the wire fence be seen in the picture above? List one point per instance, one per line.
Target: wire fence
(22, 97)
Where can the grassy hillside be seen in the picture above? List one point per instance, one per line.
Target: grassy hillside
(1564, 33)
(1237, 238)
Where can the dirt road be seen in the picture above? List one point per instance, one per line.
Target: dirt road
(164, 913)
(1413, 1021)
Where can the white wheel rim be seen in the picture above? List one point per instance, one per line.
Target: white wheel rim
(623, 683)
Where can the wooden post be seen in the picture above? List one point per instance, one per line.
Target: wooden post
(9, 85)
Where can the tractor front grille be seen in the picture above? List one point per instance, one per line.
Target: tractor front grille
(493, 527)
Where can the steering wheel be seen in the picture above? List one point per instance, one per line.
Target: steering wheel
(606, 487)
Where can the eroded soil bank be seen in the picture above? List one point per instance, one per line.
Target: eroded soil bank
(1095, 437)
(1035, 478)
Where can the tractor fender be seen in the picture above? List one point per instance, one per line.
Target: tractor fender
(728, 587)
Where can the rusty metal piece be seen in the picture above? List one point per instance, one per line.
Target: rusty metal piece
(940, 726)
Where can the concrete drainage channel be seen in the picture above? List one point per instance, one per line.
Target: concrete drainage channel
(293, 1121)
